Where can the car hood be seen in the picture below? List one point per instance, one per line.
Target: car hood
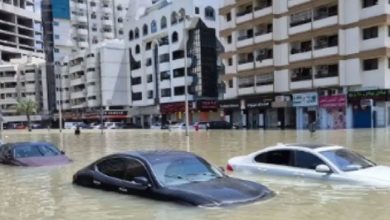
(226, 191)
(380, 174)
(43, 161)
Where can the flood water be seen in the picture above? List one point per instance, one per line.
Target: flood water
(47, 193)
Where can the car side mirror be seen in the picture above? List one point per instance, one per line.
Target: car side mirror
(322, 168)
(143, 181)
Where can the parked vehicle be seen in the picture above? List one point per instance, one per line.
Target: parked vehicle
(219, 125)
(201, 125)
(180, 126)
(170, 176)
(32, 154)
(311, 161)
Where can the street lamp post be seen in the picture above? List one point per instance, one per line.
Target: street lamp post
(187, 120)
(60, 105)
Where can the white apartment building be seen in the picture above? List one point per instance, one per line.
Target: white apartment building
(21, 30)
(292, 62)
(156, 40)
(75, 25)
(23, 78)
(95, 81)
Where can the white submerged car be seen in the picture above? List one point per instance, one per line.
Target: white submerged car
(311, 161)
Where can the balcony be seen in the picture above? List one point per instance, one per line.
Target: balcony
(304, 84)
(163, 49)
(246, 91)
(326, 22)
(76, 68)
(300, 56)
(82, 18)
(30, 88)
(245, 65)
(107, 10)
(107, 22)
(11, 79)
(263, 37)
(326, 81)
(300, 28)
(263, 11)
(292, 3)
(109, 35)
(83, 44)
(244, 16)
(93, 90)
(264, 89)
(29, 77)
(264, 63)
(78, 94)
(11, 90)
(93, 103)
(244, 41)
(82, 31)
(324, 52)
(79, 105)
(77, 81)
(91, 77)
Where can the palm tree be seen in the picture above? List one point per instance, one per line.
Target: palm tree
(27, 107)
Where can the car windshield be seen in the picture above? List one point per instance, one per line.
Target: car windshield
(184, 170)
(347, 160)
(36, 150)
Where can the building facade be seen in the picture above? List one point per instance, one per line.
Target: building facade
(72, 25)
(21, 29)
(157, 41)
(94, 83)
(289, 63)
(23, 78)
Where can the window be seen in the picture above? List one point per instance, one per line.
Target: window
(56, 50)
(179, 90)
(120, 20)
(133, 168)
(27, 151)
(369, 33)
(57, 36)
(136, 33)
(209, 13)
(277, 157)
(163, 22)
(145, 30)
(300, 18)
(229, 39)
(173, 18)
(197, 10)
(230, 61)
(112, 167)
(166, 93)
(369, 3)
(153, 27)
(137, 49)
(150, 94)
(175, 37)
(231, 83)
(48, 151)
(307, 160)
(56, 23)
(150, 78)
(228, 17)
(370, 64)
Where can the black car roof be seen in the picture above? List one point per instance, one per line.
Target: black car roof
(311, 146)
(159, 155)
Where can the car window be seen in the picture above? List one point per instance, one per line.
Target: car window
(48, 151)
(307, 160)
(347, 160)
(27, 151)
(277, 157)
(134, 168)
(114, 167)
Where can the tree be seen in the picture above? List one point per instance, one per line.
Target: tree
(27, 107)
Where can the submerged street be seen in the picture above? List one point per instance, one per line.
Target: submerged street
(48, 192)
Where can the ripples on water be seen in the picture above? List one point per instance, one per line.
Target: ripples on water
(47, 193)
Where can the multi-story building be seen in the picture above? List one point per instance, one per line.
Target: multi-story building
(293, 62)
(156, 41)
(73, 25)
(23, 78)
(94, 82)
(20, 25)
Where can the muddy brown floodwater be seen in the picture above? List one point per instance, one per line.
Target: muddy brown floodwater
(47, 193)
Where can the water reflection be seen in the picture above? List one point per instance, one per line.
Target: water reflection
(47, 193)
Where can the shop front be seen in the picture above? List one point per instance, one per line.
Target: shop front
(202, 110)
(286, 112)
(230, 111)
(333, 112)
(306, 105)
(369, 109)
(259, 113)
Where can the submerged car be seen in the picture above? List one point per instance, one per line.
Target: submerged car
(312, 161)
(169, 176)
(32, 154)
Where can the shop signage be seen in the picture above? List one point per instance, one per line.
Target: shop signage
(336, 101)
(305, 99)
(169, 108)
(377, 95)
(229, 104)
(207, 105)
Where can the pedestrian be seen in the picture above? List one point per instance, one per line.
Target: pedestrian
(312, 127)
(77, 131)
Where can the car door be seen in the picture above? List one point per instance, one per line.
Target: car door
(134, 168)
(306, 163)
(109, 173)
(275, 163)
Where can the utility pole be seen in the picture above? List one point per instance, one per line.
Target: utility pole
(187, 120)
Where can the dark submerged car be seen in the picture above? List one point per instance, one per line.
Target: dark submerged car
(32, 154)
(169, 176)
